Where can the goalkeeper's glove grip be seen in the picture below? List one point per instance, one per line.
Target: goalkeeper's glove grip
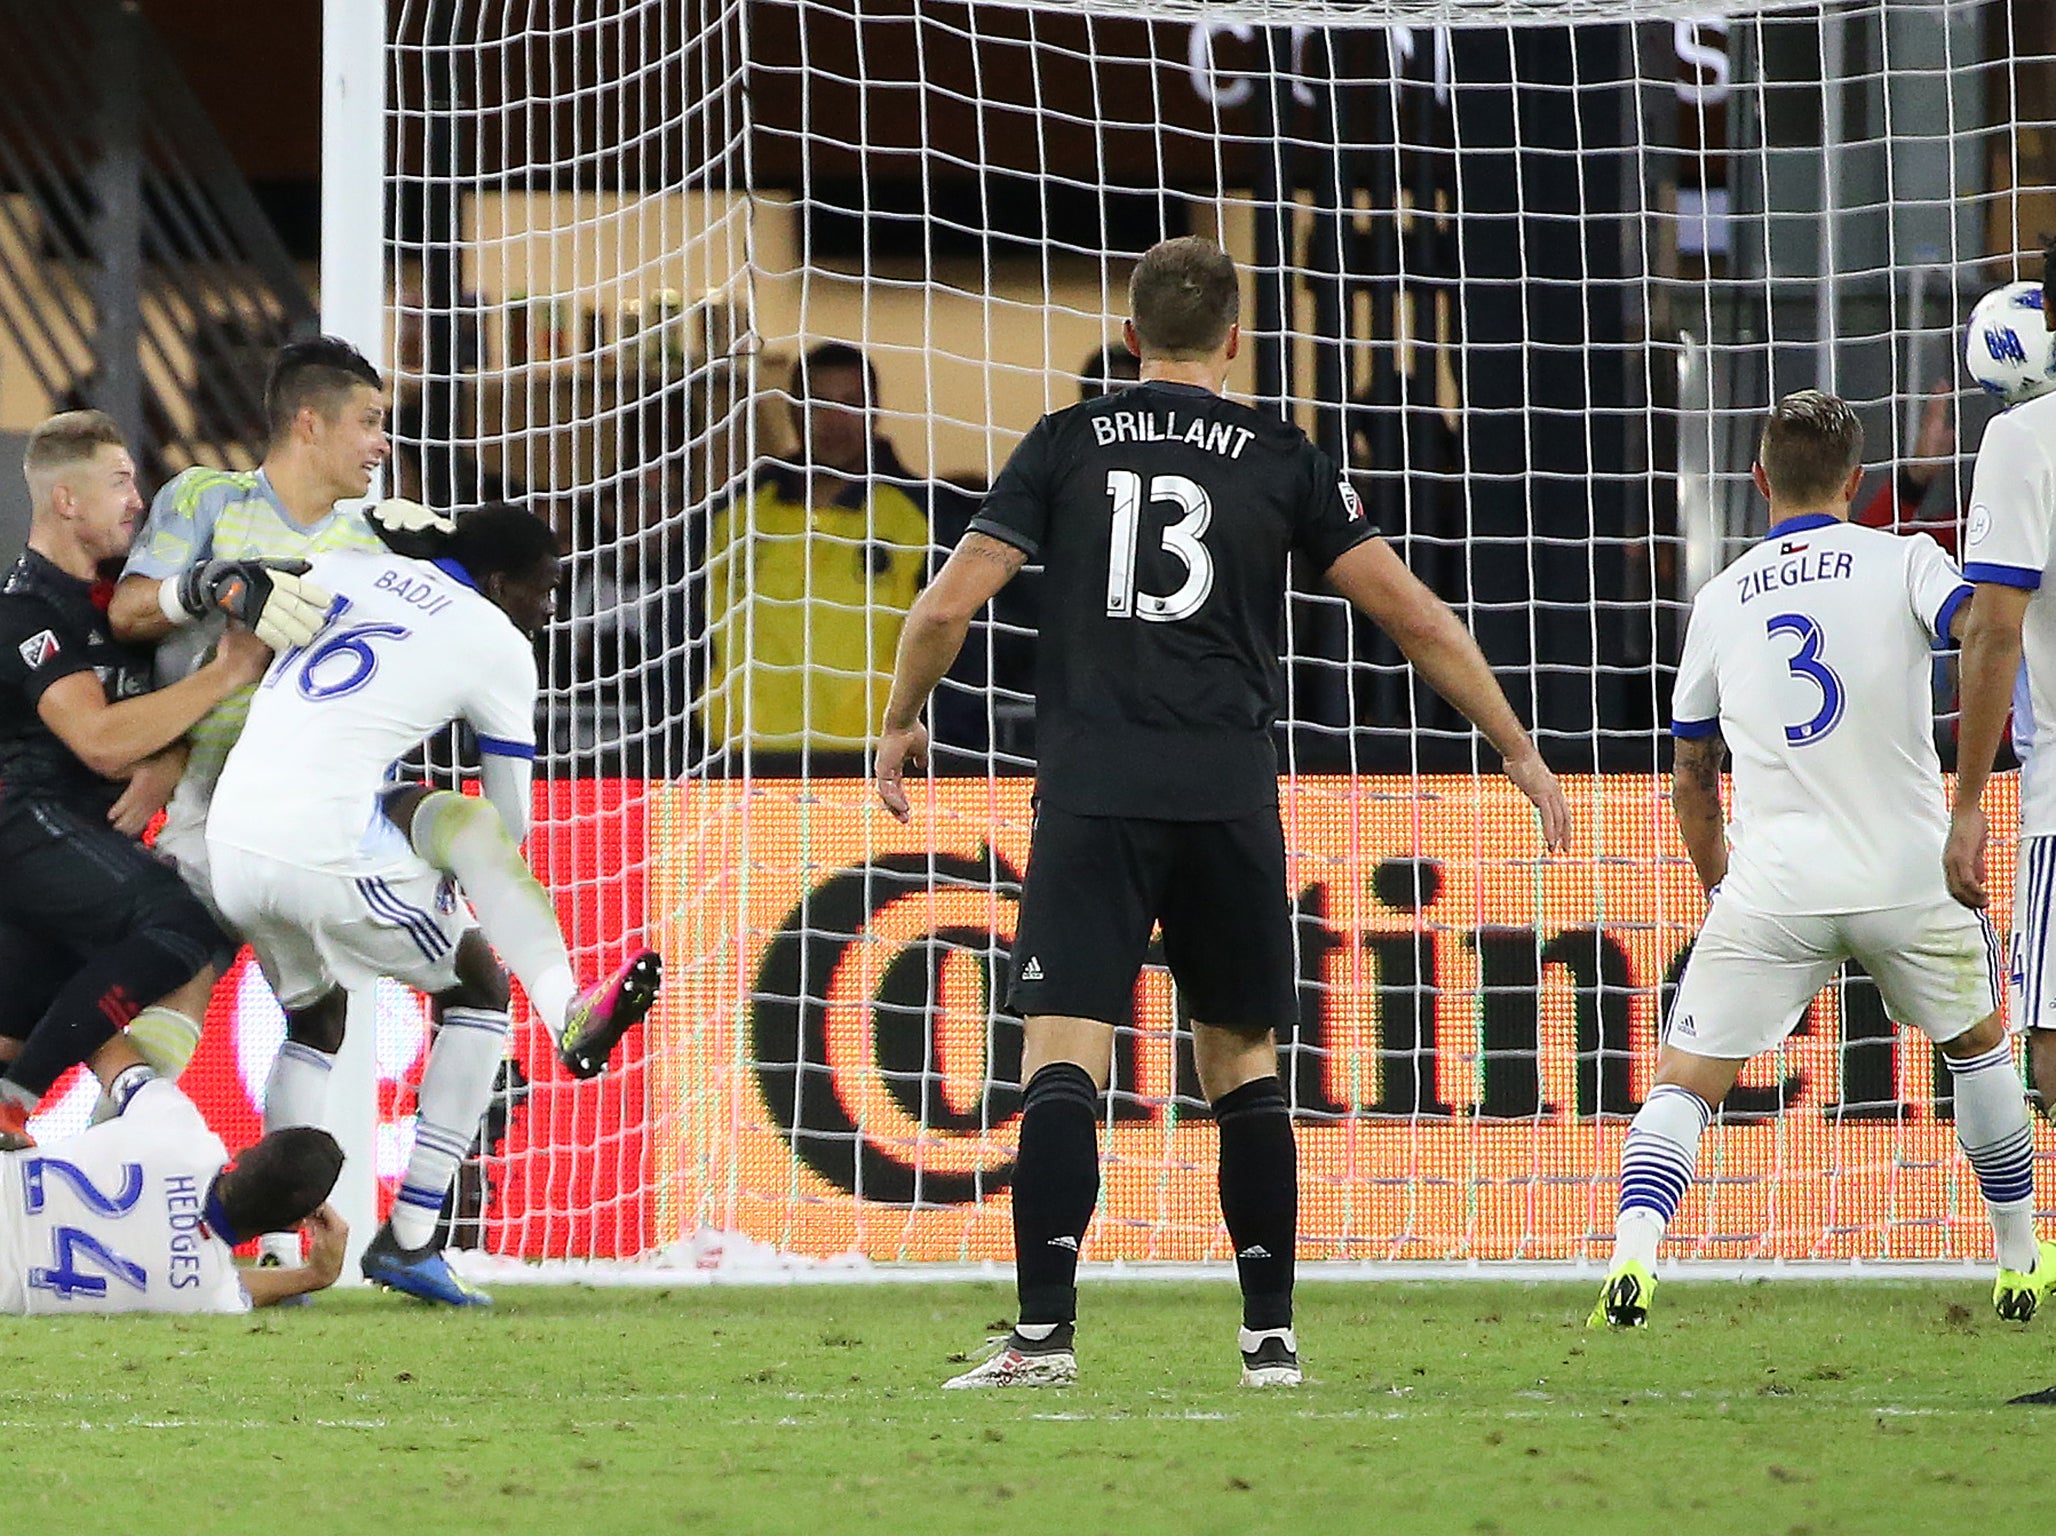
(268, 596)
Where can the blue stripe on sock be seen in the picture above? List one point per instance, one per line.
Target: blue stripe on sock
(475, 1018)
(436, 1139)
(429, 1200)
(2000, 1056)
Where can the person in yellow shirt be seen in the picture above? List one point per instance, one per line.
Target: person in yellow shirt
(810, 574)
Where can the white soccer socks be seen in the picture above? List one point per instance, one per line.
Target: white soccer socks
(296, 1093)
(465, 837)
(456, 1087)
(1998, 1139)
(1656, 1167)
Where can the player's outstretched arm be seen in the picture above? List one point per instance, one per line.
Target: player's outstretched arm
(934, 634)
(1434, 640)
(1695, 801)
(327, 1235)
(1990, 630)
(111, 738)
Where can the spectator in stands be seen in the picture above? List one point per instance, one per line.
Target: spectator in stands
(622, 650)
(810, 573)
(1113, 367)
(1897, 505)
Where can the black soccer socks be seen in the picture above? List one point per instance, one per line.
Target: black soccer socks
(1260, 1197)
(1056, 1185)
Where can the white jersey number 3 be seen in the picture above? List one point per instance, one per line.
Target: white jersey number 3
(1181, 539)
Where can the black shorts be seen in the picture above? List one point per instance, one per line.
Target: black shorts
(70, 886)
(1097, 885)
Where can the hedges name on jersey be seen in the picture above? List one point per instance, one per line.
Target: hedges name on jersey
(115, 1219)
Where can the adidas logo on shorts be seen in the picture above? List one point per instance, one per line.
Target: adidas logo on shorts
(1032, 971)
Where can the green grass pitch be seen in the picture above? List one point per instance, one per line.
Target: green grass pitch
(1788, 1407)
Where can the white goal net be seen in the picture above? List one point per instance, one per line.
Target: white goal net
(754, 298)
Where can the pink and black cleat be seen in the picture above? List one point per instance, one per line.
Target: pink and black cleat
(607, 1010)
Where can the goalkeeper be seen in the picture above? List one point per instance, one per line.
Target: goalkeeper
(222, 544)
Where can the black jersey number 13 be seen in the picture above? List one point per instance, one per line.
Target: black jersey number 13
(1181, 539)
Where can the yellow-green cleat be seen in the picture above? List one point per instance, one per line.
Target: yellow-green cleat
(1624, 1303)
(2017, 1297)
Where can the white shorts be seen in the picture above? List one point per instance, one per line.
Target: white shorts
(2032, 961)
(183, 840)
(316, 929)
(1752, 974)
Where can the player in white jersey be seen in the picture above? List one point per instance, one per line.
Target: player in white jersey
(142, 1212)
(1809, 658)
(326, 875)
(2008, 555)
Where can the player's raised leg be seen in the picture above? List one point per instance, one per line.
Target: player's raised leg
(1065, 1062)
(456, 1086)
(465, 837)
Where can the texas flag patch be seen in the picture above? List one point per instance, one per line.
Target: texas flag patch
(38, 648)
(1350, 501)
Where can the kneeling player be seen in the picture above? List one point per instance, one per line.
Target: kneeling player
(142, 1212)
(1810, 657)
(328, 876)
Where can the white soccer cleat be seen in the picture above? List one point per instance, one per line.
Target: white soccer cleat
(1270, 1358)
(1018, 1362)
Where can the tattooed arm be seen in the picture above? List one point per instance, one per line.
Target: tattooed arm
(1695, 800)
(934, 633)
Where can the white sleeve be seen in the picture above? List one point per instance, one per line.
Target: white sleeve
(163, 1107)
(1934, 587)
(1695, 697)
(506, 781)
(2012, 500)
(501, 707)
(501, 713)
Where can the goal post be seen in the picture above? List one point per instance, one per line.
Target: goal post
(1529, 271)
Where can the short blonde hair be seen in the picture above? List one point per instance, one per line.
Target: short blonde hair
(69, 438)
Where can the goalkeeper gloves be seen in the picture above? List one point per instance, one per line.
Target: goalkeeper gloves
(399, 515)
(270, 597)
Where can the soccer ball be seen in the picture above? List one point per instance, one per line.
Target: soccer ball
(2007, 346)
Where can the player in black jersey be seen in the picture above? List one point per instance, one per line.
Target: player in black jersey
(1165, 517)
(92, 926)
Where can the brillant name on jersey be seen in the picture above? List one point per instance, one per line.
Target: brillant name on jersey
(1223, 438)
